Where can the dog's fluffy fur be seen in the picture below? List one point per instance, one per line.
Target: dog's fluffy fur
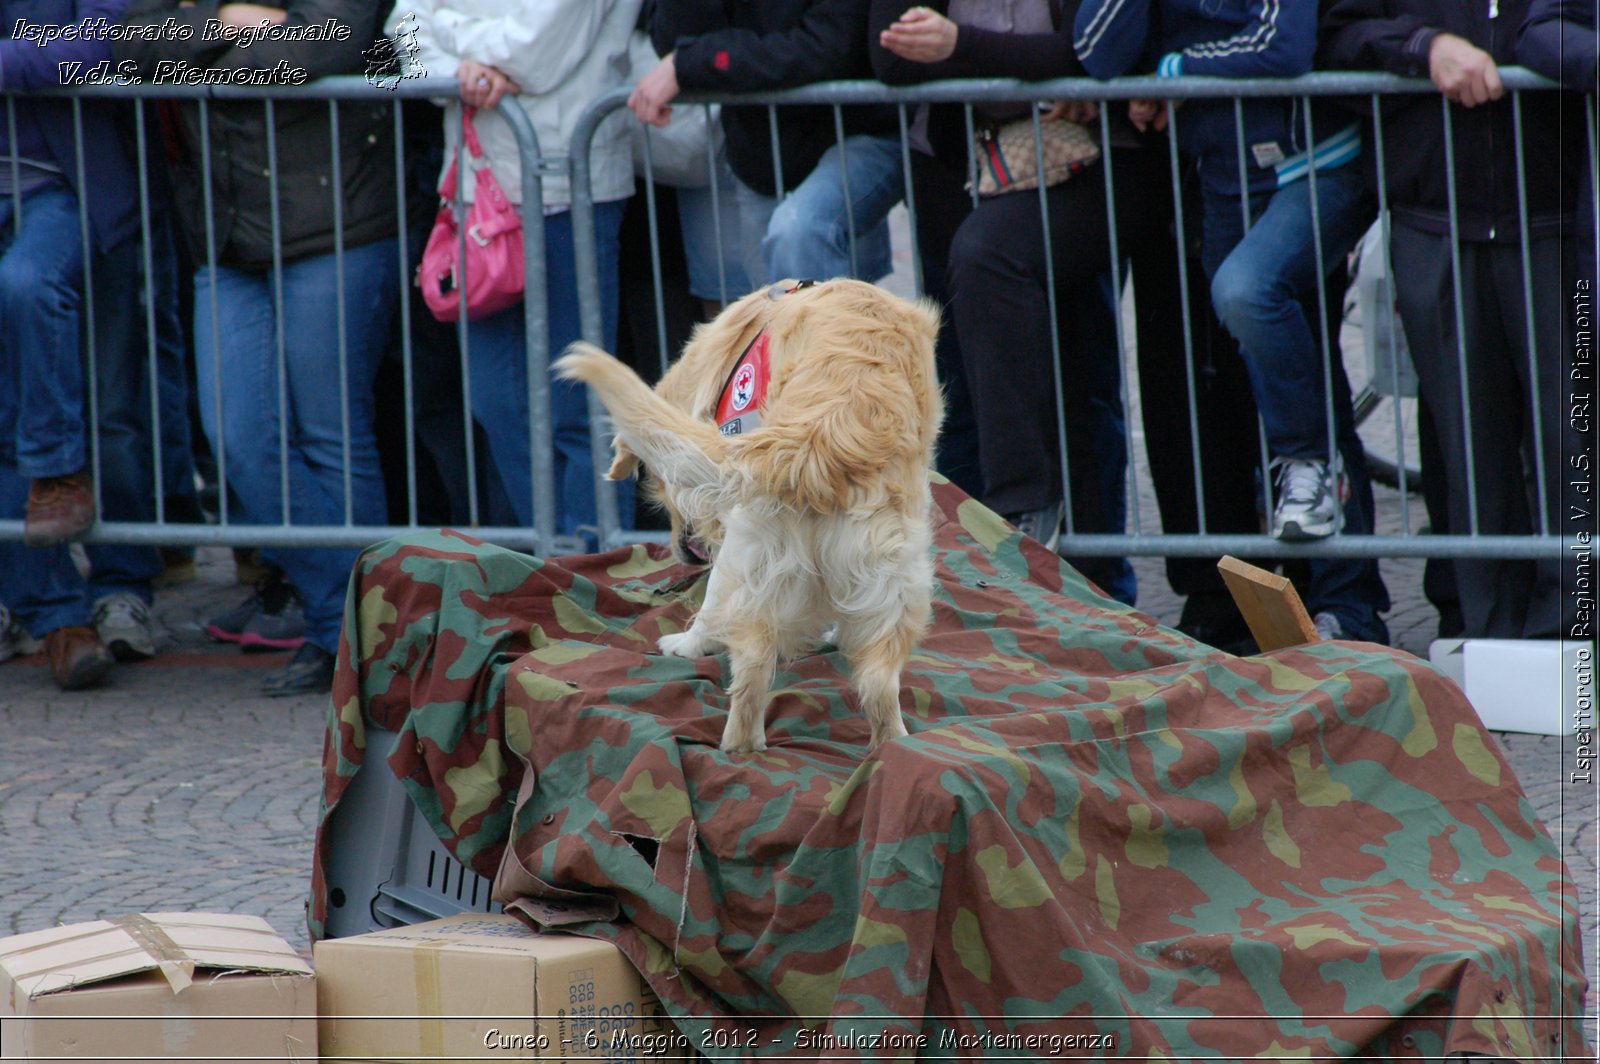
(818, 517)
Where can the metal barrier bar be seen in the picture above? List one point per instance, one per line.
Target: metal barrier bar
(286, 532)
(966, 92)
(1541, 488)
(836, 94)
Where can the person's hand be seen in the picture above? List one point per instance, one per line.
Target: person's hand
(1465, 73)
(651, 99)
(238, 16)
(1080, 111)
(483, 86)
(1150, 114)
(921, 35)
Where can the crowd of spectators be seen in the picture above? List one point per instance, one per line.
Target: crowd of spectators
(243, 275)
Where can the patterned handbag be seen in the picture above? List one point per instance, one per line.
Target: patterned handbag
(1009, 162)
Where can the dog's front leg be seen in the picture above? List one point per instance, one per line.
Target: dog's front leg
(698, 641)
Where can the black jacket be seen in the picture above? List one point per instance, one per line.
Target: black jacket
(728, 46)
(241, 178)
(1395, 35)
(1560, 41)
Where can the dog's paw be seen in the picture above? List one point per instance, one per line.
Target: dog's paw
(892, 729)
(733, 742)
(684, 645)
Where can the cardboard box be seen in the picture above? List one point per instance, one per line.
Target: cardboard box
(1518, 685)
(483, 986)
(196, 985)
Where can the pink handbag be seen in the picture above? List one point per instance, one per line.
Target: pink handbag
(492, 270)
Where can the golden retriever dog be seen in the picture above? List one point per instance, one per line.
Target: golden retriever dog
(812, 505)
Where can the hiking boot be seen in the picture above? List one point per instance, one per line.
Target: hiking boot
(1042, 525)
(309, 672)
(15, 642)
(77, 658)
(60, 510)
(125, 627)
(272, 618)
(1311, 498)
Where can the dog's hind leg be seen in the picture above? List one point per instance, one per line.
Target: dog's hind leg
(878, 654)
(754, 656)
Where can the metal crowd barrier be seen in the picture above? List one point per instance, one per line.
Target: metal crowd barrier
(1141, 537)
(541, 537)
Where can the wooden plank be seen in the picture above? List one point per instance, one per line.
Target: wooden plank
(1270, 604)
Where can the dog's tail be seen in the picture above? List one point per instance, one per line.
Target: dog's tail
(688, 453)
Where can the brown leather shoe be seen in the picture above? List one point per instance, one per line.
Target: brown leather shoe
(60, 510)
(77, 660)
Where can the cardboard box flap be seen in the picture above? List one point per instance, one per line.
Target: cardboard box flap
(173, 944)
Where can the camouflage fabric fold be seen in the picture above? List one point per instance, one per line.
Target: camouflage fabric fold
(1100, 838)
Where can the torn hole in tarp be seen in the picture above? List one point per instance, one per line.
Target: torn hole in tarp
(645, 846)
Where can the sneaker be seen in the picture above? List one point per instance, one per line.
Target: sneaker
(279, 625)
(77, 657)
(1042, 525)
(1311, 498)
(60, 510)
(272, 618)
(124, 625)
(1328, 626)
(309, 672)
(15, 642)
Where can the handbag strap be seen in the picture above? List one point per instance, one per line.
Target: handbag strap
(449, 183)
(470, 131)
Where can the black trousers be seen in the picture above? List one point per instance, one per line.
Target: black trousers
(1504, 389)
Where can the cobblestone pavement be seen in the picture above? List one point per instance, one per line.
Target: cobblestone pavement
(177, 787)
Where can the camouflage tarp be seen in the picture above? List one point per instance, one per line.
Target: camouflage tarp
(1097, 827)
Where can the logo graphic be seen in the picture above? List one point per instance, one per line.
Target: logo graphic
(393, 59)
(744, 386)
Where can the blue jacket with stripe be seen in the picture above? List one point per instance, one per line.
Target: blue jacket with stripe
(1224, 39)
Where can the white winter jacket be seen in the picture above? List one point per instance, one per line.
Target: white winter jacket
(562, 53)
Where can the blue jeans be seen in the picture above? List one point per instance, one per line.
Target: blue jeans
(716, 271)
(1257, 281)
(245, 430)
(1261, 284)
(807, 235)
(497, 352)
(42, 398)
(43, 587)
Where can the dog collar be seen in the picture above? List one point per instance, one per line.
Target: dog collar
(744, 393)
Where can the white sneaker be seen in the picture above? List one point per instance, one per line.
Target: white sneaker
(15, 642)
(123, 623)
(1311, 498)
